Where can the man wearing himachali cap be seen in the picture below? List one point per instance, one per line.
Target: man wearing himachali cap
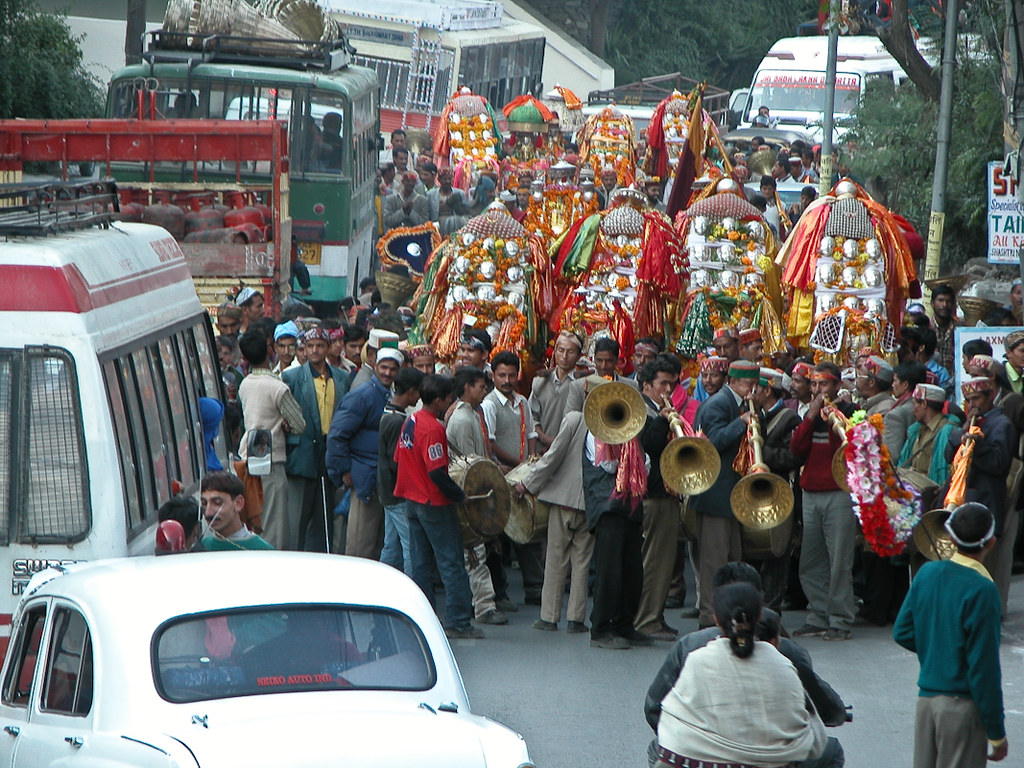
(724, 418)
(995, 445)
(751, 345)
(874, 385)
(318, 387)
(830, 528)
(378, 338)
(925, 447)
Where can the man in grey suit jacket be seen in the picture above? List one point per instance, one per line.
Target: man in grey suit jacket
(318, 387)
(724, 421)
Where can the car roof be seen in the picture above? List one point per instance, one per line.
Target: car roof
(770, 135)
(158, 588)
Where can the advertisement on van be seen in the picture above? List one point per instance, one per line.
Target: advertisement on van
(1005, 217)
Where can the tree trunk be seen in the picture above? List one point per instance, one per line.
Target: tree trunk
(599, 11)
(134, 30)
(899, 41)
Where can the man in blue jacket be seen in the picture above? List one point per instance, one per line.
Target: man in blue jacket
(319, 388)
(353, 446)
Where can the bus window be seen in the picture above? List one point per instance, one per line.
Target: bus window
(149, 424)
(6, 417)
(182, 413)
(56, 504)
(328, 149)
(126, 451)
(202, 336)
(144, 469)
(162, 405)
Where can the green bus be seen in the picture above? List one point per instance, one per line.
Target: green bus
(331, 194)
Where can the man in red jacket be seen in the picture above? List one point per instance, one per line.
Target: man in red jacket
(830, 527)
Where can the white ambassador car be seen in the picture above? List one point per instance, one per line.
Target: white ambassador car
(237, 659)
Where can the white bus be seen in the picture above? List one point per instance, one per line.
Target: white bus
(104, 354)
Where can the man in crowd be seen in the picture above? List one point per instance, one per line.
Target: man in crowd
(800, 387)
(726, 343)
(229, 320)
(751, 345)
(397, 550)
(474, 350)
(951, 620)
(408, 208)
(644, 351)
(557, 479)
(609, 183)
(995, 445)
(657, 379)
(221, 500)
(286, 339)
(550, 392)
(724, 417)
(353, 444)
(423, 359)
(925, 447)
(448, 206)
(427, 172)
(434, 532)
(830, 527)
(355, 338)
(319, 389)
(874, 385)
(944, 310)
(250, 302)
(268, 404)
(467, 436)
(378, 339)
(1013, 346)
(606, 360)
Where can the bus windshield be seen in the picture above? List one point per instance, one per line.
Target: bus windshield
(794, 91)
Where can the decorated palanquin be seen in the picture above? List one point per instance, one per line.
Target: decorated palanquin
(567, 108)
(491, 274)
(467, 138)
(527, 120)
(618, 270)
(557, 202)
(849, 268)
(733, 278)
(608, 140)
(669, 130)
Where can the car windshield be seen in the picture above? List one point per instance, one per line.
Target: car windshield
(282, 649)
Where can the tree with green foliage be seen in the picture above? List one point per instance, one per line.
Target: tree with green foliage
(721, 41)
(891, 150)
(42, 75)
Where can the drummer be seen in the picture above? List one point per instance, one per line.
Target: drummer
(467, 437)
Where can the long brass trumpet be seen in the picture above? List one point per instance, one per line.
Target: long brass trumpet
(762, 499)
(930, 535)
(689, 464)
(840, 424)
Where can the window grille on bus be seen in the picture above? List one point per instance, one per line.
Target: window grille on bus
(6, 432)
(56, 495)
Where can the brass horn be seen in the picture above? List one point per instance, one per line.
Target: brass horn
(614, 412)
(417, 139)
(762, 499)
(689, 464)
(840, 424)
(761, 162)
(930, 535)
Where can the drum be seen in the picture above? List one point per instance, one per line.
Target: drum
(528, 517)
(480, 519)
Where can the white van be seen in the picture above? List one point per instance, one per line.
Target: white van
(104, 353)
(790, 80)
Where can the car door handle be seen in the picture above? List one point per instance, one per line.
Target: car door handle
(12, 730)
(75, 741)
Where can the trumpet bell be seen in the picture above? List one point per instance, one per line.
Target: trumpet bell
(761, 501)
(931, 537)
(690, 465)
(417, 140)
(839, 468)
(614, 413)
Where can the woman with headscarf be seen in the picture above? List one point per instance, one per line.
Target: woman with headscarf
(483, 195)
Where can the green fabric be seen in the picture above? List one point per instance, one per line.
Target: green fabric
(938, 470)
(217, 544)
(951, 619)
(578, 260)
(695, 336)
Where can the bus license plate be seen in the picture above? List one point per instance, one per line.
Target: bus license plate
(309, 252)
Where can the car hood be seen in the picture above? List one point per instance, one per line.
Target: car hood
(372, 738)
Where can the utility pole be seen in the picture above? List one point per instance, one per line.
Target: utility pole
(937, 220)
(825, 178)
(134, 30)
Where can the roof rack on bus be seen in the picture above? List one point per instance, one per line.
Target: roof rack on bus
(49, 208)
(327, 55)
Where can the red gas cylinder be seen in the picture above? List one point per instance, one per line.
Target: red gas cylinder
(225, 235)
(168, 216)
(246, 215)
(203, 219)
(263, 208)
(131, 212)
(253, 233)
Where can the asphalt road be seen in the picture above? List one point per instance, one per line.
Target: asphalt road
(582, 706)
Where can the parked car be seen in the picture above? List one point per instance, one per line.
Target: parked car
(237, 659)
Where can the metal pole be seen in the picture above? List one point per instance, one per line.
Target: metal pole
(938, 215)
(825, 180)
